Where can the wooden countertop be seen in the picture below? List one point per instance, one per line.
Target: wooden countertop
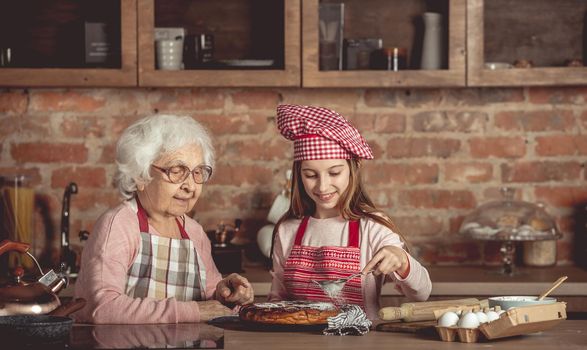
(568, 335)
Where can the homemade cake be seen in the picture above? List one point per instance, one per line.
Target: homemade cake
(299, 312)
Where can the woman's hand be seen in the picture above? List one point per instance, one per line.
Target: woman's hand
(234, 289)
(210, 309)
(387, 260)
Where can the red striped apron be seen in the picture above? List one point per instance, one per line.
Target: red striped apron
(306, 263)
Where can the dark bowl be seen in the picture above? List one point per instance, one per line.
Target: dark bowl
(35, 328)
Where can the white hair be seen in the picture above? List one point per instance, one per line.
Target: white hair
(148, 139)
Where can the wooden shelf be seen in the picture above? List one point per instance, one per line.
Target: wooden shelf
(529, 31)
(288, 76)
(453, 76)
(126, 75)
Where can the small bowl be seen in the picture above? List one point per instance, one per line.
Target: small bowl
(507, 302)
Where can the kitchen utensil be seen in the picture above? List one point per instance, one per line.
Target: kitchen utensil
(553, 287)
(406, 327)
(424, 311)
(332, 288)
(508, 302)
(29, 298)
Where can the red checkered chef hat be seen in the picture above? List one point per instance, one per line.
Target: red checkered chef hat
(320, 133)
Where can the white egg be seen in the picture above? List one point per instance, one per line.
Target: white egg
(482, 317)
(469, 320)
(491, 316)
(448, 319)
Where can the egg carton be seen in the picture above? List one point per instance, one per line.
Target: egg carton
(515, 321)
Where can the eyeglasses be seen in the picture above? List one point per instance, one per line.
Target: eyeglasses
(179, 173)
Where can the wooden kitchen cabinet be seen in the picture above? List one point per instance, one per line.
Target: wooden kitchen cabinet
(255, 42)
(398, 24)
(42, 43)
(547, 33)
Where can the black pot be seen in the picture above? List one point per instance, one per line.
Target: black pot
(32, 329)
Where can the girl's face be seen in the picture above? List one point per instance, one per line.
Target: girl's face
(162, 198)
(325, 181)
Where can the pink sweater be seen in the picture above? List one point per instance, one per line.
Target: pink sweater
(334, 232)
(106, 259)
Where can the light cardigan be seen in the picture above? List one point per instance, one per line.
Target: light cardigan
(106, 259)
(334, 232)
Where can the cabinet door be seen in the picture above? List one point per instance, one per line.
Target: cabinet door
(526, 42)
(68, 43)
(245, 42)
(395, 24)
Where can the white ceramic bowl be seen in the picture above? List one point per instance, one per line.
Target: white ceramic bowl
(507, 302)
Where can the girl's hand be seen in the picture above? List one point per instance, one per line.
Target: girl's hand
(387, 260)
(234, 289)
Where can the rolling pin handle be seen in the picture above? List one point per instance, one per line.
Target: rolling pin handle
(394, 313)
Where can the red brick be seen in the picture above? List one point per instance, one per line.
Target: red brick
(422, 147)
(468, 172)
(400, 174)
(438, 199)
(499, 147)
(418, 226)
(13, 102)
(66, 101)
(379, 123)
(565, 252)
(483, 97)
(9, 125)
(557, 95)
(49, 152)
(89, 198)
(120, 123)
(186, 101)
(562, 196)
(541, 171)
(32, 175)
(82, 176)
(257, 149)
(420, 97)
(108, 155)
(245, 123)
(83, 126)
(584, 119)
(374, 143)
(381, 98)
(438, 121)
(561, 145)
(343, 101)
(241, 174)
(256, 99)
(558, 120)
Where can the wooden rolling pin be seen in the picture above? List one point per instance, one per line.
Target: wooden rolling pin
(422, 311)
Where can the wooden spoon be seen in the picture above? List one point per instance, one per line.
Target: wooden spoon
(553, 287)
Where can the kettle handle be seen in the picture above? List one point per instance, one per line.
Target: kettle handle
(8, 245)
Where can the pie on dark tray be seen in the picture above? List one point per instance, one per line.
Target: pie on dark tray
(289, 312)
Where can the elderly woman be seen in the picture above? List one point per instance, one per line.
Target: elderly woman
(146, 261)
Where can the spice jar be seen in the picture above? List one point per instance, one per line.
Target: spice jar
(540, 253)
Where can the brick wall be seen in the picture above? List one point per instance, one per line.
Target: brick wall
(439, 153)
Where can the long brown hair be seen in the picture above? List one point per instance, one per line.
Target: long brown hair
(354, 203)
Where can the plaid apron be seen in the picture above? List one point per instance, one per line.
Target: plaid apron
(306, 263)
(165, 267)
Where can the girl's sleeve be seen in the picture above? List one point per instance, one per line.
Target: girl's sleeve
(416, 285)
(278, 290)
(105, 261)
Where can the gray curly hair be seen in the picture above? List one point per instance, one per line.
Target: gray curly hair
(148, 139)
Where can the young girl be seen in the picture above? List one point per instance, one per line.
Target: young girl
(332, 229)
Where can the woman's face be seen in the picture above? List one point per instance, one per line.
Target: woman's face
(161, 197)
(325, 181)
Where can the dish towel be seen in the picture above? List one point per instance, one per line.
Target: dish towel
(352, 320)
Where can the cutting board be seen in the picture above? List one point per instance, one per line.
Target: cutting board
(405, 327)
